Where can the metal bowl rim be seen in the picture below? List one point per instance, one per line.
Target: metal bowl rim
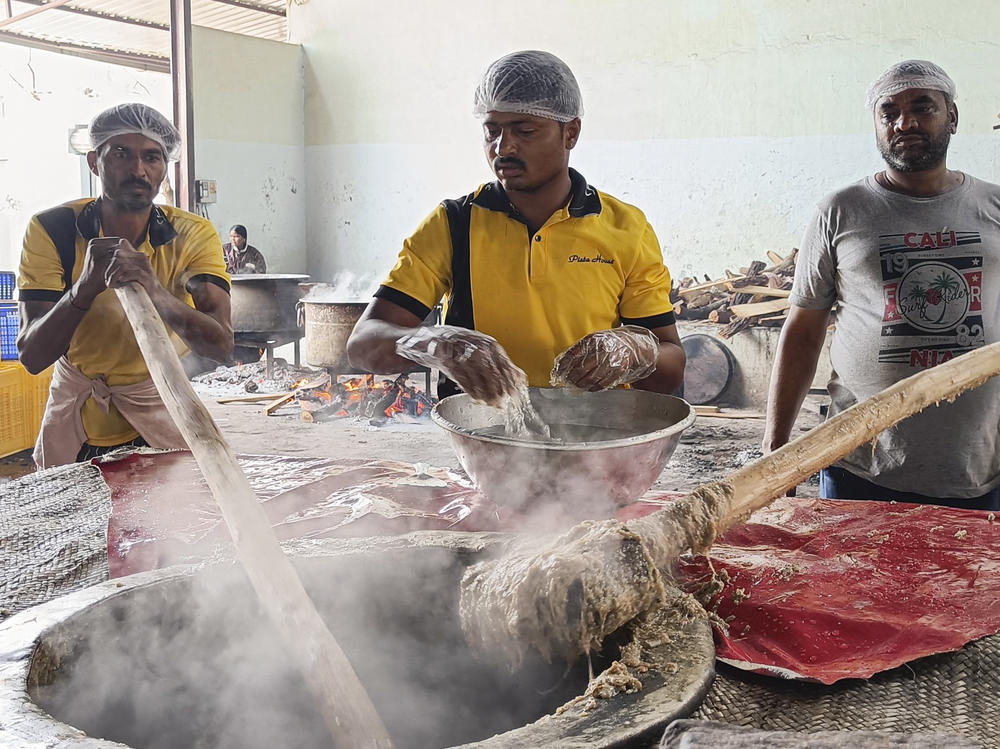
(245, 277)
(638, 439)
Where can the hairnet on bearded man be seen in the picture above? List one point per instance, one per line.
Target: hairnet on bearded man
(909, 74)
(132, 119)
(530, 82)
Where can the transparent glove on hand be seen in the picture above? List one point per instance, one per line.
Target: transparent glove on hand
(474, 360)
(607, 359)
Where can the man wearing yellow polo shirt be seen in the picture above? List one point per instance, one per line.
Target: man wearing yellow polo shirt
(73, 257)
(545, 278)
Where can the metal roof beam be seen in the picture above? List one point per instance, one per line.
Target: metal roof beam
(34, 11)
(250, 5)
(131, 20)
(103, 54)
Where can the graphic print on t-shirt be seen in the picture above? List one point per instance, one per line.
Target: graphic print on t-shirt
(932, 282)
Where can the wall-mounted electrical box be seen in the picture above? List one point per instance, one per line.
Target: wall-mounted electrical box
(205, 191)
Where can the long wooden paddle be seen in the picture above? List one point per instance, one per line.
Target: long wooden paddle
(565, 598)
(341, 699)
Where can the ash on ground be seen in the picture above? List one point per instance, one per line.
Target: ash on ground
(243, 379)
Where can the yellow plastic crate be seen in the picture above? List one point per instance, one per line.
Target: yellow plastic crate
(22, 403)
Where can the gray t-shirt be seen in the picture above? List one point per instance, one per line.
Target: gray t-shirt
(915, 281)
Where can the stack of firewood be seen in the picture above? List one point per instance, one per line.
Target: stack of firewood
(756, 295)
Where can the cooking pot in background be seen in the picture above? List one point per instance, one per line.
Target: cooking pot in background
(265, 302)
(328, 325)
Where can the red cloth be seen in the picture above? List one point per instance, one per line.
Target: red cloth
(818, 589)
(841, 589)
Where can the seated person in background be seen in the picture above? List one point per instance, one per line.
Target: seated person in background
(240, 256)
(532, 264)
(75, 254)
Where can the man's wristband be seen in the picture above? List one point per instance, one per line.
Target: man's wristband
(72, 301)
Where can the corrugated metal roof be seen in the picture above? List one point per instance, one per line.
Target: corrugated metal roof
(132, 32)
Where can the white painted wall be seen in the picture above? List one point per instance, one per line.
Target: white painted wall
(249, 137)
(42, 96)
(724, 120)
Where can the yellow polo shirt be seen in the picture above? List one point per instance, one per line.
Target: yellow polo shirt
(595, 264)
(179, 245)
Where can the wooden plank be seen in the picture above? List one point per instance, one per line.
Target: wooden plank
(251, 398)
(763, 291)
(275, 405)
(774, 257)
(720, 285)
(760, 309)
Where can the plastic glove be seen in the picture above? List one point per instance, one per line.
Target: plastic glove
(607, 359)
(474, 360)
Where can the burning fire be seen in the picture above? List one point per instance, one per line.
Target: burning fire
(362, 397)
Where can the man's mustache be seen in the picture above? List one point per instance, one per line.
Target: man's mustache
(137, 183)
(499, 163)
(896, 141)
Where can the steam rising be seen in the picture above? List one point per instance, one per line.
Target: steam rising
(345, 287)
(192, 662)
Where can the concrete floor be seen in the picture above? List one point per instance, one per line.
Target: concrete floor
(709, 449)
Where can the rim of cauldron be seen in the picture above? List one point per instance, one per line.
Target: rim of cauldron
(638, 439)
(21, 634)
(242, 277)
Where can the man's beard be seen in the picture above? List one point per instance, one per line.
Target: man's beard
(932, 154)
(138, 201)
(135, 204)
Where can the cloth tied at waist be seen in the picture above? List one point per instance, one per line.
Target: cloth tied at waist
(62, 434)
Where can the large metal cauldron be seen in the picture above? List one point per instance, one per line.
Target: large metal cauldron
(183, 657)
(265, 302)
(614, 444)
(328, 325)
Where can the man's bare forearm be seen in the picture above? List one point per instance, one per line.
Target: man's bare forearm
(47, 330)
(794, 367)
(669, 373)
(372, 347)
(203, 333)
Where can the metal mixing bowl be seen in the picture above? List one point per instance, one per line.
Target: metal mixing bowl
(615, 444)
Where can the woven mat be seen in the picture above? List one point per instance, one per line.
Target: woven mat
(689, 734)
(53, 535)
(955, 693)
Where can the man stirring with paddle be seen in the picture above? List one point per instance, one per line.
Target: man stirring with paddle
(534, 264)
(101, 395)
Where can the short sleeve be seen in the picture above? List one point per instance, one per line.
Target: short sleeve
(646, 298)
(815, 284)
(40, 274)
(422, 272)
(203, 254)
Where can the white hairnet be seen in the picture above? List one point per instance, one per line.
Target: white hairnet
(909, 74)
(529, 82)
(135, 118)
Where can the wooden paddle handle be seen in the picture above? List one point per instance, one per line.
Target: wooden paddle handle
(342, 700)
(757, 484)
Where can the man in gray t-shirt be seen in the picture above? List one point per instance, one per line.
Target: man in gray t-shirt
(909, 256)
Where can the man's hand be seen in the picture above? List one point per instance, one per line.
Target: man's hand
(127, 264)
(607, 359)
(475, 361)
(95, 268)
